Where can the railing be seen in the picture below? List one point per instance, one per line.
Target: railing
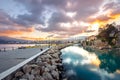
(13, 69)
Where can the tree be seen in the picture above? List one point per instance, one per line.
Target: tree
(105, 35)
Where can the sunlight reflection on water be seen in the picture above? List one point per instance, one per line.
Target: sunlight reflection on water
(86, 57)
(85, 64)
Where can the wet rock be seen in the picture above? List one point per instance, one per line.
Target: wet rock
(60, 67)
(65, 79)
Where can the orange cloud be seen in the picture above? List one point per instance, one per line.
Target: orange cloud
(12, 33)
(30, 38)
(104, 21)
(115, 16)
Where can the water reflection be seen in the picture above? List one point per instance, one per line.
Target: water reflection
(83, 65)
(109, 62)
(84, 56)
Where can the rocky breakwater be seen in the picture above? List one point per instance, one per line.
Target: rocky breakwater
(47, 66)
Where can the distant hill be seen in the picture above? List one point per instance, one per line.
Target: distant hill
(6, 40)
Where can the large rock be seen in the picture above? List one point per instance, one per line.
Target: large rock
(27, 69)
(55, 55)
(55, 74)
(19, 74)
(49, 56)
(33, 66)
(39, 78)
(35, 71)
(23, 79)
(47, 76)
(38, 60)
(30, 76)
(41, 64)
(51, 67)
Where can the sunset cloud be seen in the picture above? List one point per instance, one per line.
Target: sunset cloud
(61, 18)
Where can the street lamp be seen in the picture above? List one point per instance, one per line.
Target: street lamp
(49, 36)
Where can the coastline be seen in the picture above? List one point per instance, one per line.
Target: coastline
(48, 66)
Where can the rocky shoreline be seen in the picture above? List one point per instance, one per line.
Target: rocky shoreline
(48, 66)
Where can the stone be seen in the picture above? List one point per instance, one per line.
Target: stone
(19, 74)
(55, 55)
(30, 76)
(38, 60)
(46, 69)
(47, 76)
(39, 78)
(55, 75)
(34, 66)
(23, 79)
(60, 67)
(53, 62)
(65, 79)
(35, 71)
(41, 64)
(27, 69)
(49, 56)
(51, 67)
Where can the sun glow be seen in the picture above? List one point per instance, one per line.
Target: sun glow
(95, 26)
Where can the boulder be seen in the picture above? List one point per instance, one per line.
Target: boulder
(51, 67)
(27, 69)
(55, 75)
(35, 71)
(49, 56)
(38, 60)
(55, 55)
(47, 76)
(19, 74)
(47, 69)
(23, 79)
(39, 78)
(30, 76)
(41, 64)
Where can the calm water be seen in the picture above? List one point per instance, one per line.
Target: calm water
(87, 64)
(10, 46)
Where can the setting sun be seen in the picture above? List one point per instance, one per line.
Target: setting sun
(95, 26)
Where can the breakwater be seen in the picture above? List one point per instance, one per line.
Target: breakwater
(47, 66)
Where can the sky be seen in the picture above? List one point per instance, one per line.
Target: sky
(58, 19)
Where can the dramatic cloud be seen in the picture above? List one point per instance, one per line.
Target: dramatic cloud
(61, 18)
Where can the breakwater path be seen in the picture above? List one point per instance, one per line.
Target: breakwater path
(11, 58)
(45, 66)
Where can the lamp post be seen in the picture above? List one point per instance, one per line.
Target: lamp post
(49, 36)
